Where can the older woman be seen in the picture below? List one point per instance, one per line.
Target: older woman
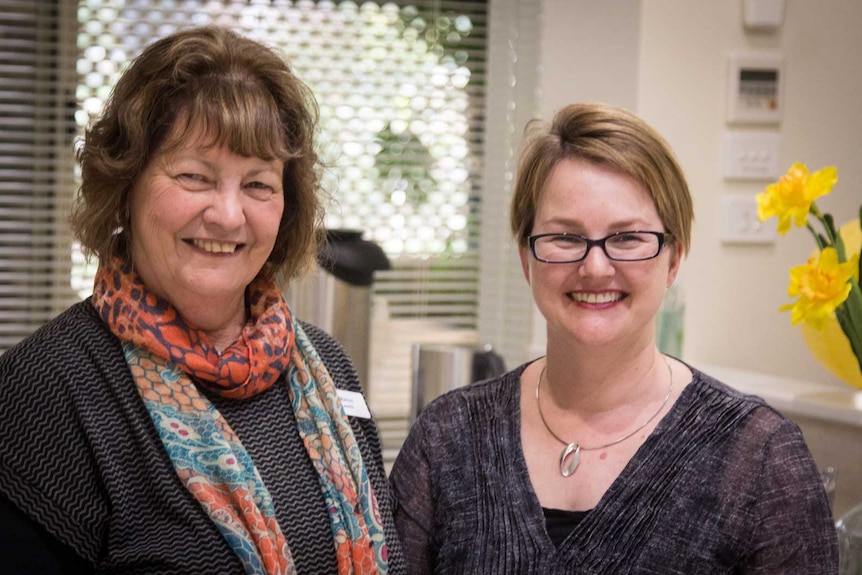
(181, 420)
(606, 456)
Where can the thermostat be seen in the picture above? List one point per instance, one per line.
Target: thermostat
(755, 88)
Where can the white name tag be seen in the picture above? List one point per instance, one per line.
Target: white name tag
(354, 404)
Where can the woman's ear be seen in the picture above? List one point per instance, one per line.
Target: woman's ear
(524, 253)
(675, 262)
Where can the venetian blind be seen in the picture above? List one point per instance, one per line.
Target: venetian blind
(401, 92)
(36, 165)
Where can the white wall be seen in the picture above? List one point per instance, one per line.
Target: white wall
(666, 60)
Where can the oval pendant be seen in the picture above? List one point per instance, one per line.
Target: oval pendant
(570, 459)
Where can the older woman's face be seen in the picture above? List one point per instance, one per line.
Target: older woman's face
(203, 223)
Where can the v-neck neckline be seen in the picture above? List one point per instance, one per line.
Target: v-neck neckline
(531, 508)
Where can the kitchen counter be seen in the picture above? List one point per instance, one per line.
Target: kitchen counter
(793, 396)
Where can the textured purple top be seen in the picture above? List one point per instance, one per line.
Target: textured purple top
(725, 484)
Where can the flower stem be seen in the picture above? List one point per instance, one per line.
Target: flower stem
(859, 274)
(837, 240)
(819, 239)
(827, 222)
(833, 238)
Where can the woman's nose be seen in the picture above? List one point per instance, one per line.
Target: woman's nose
(596, 263)
(226, 209)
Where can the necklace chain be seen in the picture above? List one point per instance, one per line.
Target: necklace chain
(571, 455)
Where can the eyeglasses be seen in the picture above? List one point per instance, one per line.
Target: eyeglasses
(621, 246)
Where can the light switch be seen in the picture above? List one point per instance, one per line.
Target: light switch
(751, 155)
(763, 14)
(739, 223)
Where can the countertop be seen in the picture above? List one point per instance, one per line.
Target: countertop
(792, 396)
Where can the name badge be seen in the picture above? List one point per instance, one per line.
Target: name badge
(353, 403)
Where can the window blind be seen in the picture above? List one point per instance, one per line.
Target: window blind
(506, 311)
(36, 168)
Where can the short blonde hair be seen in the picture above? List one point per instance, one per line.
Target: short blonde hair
(605, 135)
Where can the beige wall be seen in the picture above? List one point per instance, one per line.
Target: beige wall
(666, 59)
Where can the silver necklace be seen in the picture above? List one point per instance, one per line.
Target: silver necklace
(571, 455)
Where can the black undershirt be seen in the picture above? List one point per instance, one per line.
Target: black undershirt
(559, 523)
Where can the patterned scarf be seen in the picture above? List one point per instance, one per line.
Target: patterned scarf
(164, 353)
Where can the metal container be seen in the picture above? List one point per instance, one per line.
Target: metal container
(336, 297)
(438, 368)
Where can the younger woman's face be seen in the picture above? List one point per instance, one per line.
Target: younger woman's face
(597, 301)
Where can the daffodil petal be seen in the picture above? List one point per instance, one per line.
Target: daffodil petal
(821, 182)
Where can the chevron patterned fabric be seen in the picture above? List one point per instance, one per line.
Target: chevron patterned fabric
(81, 458)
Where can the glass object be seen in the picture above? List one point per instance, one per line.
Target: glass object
(849, 530)
(669, 322)
(829, 475)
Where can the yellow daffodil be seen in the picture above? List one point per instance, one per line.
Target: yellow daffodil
(827, 291)
(821, 285)
(790, 198)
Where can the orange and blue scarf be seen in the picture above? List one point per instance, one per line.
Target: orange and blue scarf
(169, 358)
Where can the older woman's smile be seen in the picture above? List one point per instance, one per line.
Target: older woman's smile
(215, 247)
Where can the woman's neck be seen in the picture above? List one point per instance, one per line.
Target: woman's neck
(597, 381)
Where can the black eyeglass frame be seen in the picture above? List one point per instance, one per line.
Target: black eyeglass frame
(663, 238)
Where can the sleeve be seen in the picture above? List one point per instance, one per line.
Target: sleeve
(795, 533)
(43, 444)
(28, 548)
(414, 506)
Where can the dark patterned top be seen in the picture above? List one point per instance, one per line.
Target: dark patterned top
(80, 457)
(724, 484)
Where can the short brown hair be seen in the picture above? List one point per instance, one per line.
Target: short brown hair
(608, 135)
(232, 89)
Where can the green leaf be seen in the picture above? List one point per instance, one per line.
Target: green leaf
(818, 238)
(839, 247)
(849, 315)
(829, 224)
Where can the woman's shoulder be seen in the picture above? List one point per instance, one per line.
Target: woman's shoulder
(720, 392)
(500, 389)
(66, 372)
(719, 401)
(73, 332)
(54, 389)
(67, 364)
(74, 342)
